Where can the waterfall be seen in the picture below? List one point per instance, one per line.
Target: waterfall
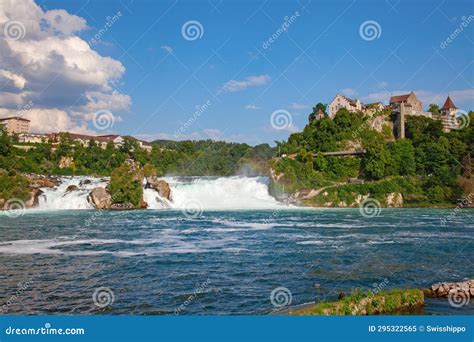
(198, 193)
(59, 197)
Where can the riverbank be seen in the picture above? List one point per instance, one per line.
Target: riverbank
(367, 303)
(391, 302)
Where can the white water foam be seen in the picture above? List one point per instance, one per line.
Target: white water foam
(197, 193)
(58, 198)
(221, 193)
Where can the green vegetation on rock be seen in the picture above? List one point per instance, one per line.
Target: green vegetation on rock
(126, 185)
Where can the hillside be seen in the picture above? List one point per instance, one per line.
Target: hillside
(428, 168)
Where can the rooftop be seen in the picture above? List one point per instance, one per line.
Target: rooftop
(449, 104)
(399, 98)
(14, 118)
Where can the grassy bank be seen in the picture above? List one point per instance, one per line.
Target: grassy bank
(368, 303)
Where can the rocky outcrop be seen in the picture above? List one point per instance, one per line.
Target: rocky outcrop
(159, 185)
(65, 162)
(394, 200)
(100, 198)
(34, 198)
(35, 183)
(456, 291)
(40, 181)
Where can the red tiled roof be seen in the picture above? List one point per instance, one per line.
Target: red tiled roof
(449, 104)
(399, 98)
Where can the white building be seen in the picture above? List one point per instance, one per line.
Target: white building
(15, 125)
(341, 101)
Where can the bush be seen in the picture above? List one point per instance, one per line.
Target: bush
(126, 185)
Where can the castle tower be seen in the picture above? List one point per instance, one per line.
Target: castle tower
(448, 115)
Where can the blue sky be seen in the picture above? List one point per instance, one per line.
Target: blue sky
(243, 78)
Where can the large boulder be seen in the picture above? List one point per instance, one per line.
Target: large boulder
(33, 202)
(100, 198)
(161, 186)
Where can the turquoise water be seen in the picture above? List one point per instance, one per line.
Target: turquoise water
(228, 262)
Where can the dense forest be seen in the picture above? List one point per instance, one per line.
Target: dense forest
(192, 158)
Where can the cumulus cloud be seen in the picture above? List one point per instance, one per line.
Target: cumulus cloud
(49, 66)
(11, 82)
(251, 81)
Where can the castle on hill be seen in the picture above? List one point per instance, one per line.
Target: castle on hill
(402, 105)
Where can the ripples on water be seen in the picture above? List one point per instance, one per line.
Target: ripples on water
(224, 262)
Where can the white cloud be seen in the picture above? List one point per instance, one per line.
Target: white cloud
(53, 68)
(11, 81)
(252, 107)
(251, 81)
(298, 106)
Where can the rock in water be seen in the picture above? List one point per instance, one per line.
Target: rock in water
(33, 202)
(72, 188)
(85, 182)
(100, 198)
(161, 186)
